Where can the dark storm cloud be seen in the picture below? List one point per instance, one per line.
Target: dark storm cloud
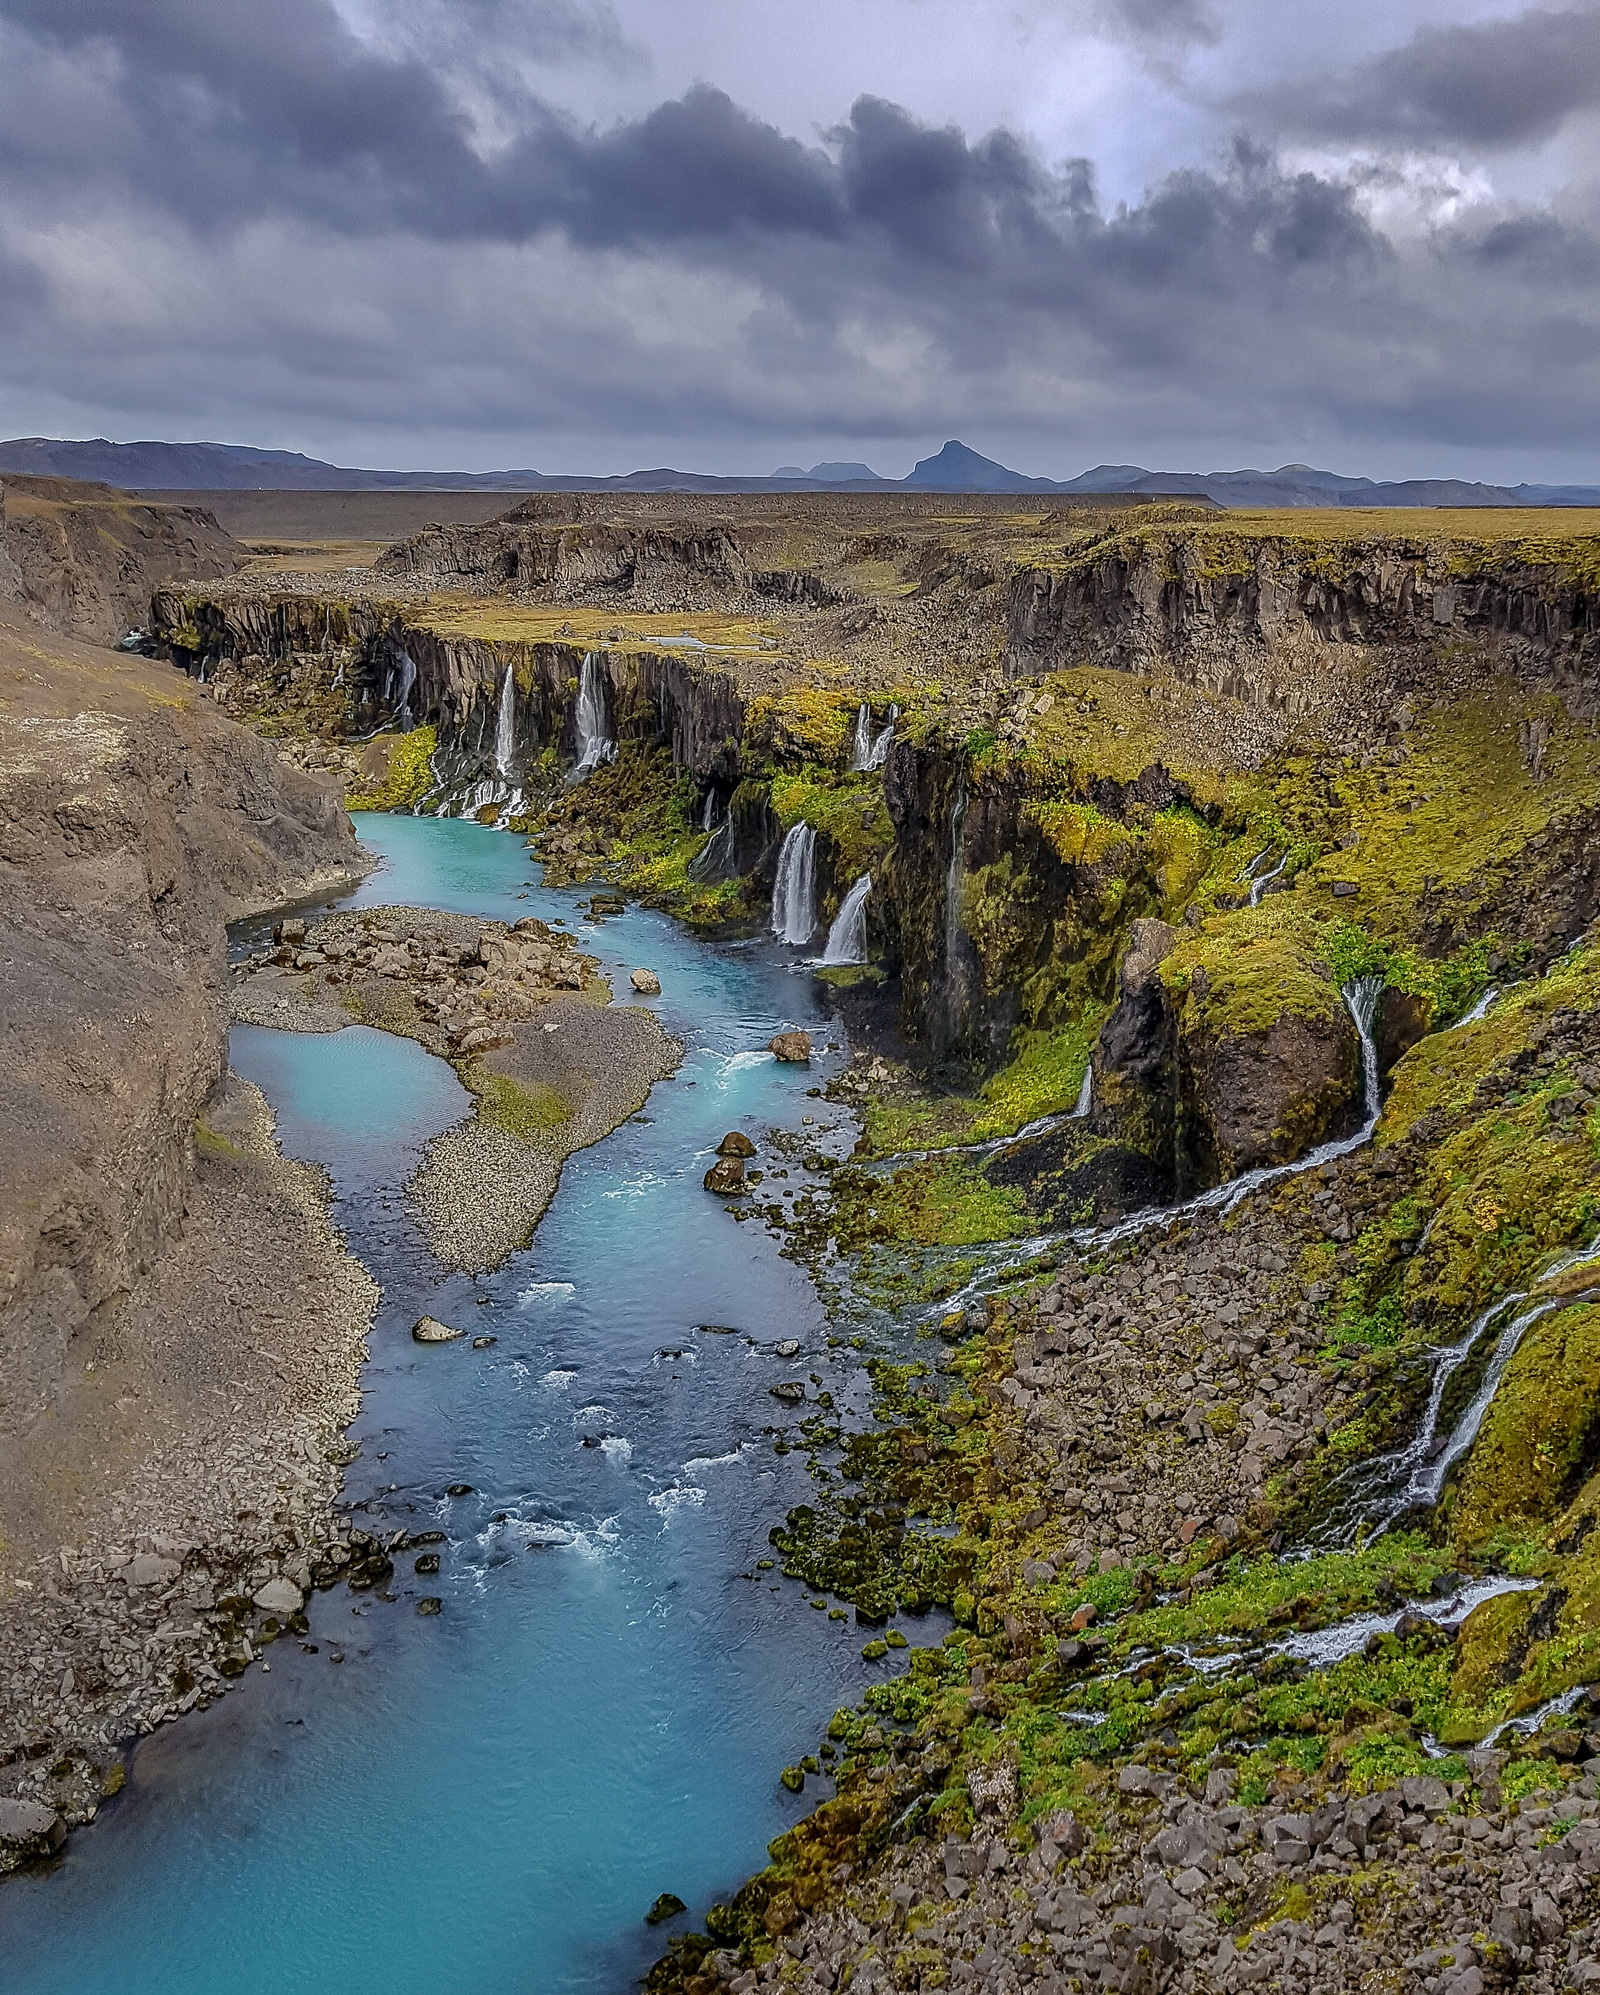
(1492, 87)
(217, 206)
(1173, 21)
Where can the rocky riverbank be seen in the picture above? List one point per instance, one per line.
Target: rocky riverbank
(166, 1519)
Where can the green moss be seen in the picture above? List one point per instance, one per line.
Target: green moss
(1042, 1076)
(942, 1202)
(1540, 1430)
(850, 814)
(409, 776)
(808, 722)
(519, 1108)
(1242, 972)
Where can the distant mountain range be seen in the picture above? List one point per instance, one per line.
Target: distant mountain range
(218, 467)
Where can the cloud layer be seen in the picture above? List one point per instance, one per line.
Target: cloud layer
(269, 225)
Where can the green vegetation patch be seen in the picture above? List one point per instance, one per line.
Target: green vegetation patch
(850, 813)
(526, 1109)
(408, 777)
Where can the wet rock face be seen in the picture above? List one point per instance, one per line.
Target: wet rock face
(1264, 1099)
(1208, 1089)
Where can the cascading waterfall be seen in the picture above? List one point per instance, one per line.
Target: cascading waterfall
(1411, 1477)
(1361, 1000)
(794, 891)
(861, 748)
(867, 752)
(708, 811)
(847, 938)
(595, 745)
(505, 727)
(1481, 1008)
(878, 753)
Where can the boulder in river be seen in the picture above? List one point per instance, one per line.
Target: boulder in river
(429, 1330)
(726, 1177)
(667, 1906)
(736, 1144)
(646, 983)
(28, 1829)
(795, 1047)
(279, 1596)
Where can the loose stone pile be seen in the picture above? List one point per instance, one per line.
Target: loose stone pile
(1423, 1886)
(1159, 1396)
(451, 981)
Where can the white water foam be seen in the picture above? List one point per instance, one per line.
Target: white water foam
(617, 1448)
(697, 1462)
(1260, 884)
(505, 727)
(681, 1496)
(547, 1291)
(561, 1378)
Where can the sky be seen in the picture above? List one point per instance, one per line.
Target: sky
(600, 235)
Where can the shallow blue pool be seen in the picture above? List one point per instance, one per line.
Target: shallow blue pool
(488, 1801)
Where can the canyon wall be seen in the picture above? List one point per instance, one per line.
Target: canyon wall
(134, 821)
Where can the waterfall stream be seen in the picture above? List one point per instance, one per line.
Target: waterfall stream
(505, 727)
(868, 751)
(1259, 883)
(1361, 999)
(794, 891)
(1378, 1493)
(408, 678)
(847, 938)
(594, 742)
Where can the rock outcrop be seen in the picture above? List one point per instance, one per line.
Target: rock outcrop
(86, 557)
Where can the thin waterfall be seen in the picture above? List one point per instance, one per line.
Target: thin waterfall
(595, 745)
(954, 977)
(408, 678)
(794, 891)
(505, 727)
(1411, 1477)
(878, 754)
(1361, 1001)
(1361, 997)
(1085, 1094)
(1259, 885)
(868, 751)
(708, 811)
(847, 938)
(1481, 1008)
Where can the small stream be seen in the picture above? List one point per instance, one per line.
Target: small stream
(487, 1802)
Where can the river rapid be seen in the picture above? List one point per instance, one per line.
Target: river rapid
(488, 1801)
